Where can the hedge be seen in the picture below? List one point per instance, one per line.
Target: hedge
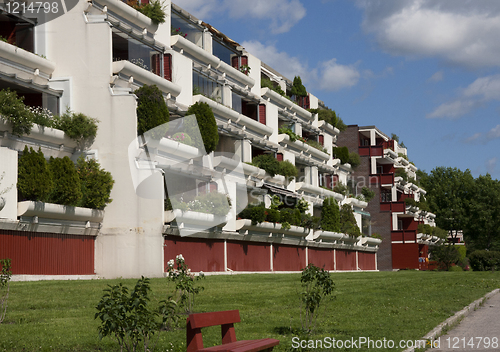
(152, 111)
(207, 126)
(482, 260)
(34, 177)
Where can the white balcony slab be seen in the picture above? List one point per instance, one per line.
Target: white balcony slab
(25, 58)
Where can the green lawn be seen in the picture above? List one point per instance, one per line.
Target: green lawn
(59, 315)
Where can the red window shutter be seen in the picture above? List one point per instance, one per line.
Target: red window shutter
(262, 114)
(244, 60)
(279, 156)
(155, 63)
(202, 188)
(329, 181)
(307, 102)
(234, 62)
(321, 139)
(213, 186)
(167, 67)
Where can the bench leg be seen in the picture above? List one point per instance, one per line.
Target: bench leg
(228, 334)
(194, 338)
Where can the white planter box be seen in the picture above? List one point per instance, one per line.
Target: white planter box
(59, 212)
(269, 227)
(186, 218)
(25, 58)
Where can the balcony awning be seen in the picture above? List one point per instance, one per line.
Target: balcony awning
(279, 190)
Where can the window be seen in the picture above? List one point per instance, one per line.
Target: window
(206, 86)
(188, 30)
(17, 31)
(380, 169)
(140, 54)
(223, 52)
(385, 196)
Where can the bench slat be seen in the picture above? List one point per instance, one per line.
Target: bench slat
(244, 346)
(203, 320)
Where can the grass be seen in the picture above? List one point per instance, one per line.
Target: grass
(405, 305)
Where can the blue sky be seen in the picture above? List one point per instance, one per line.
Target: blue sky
(426, 70)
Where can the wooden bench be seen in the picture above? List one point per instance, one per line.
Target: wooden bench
(225, 319)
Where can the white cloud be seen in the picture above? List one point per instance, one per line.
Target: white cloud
(328, 75)
(438, 76)
(491, 165)
(494, 133)
(479, 92)
(281, 14)
(460, 31)
(481, 138)
(333, 76)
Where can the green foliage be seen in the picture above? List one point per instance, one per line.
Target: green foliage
(354, 159)
(67, 190)
(5, 276)
(126, 317)
(267, 83)
(288, 131)
(267, 162)
(462, 252)
(310, 222)
(273, 215)
(316, 286)
(410, 202)
(348, 223)
(185, 288)
(206, 124)
(331, 117)
(330, 215)
(455, 268)
(318, 146)
(154, 10)
(14, 111)
(367, 193)
(400, 172)
(341, 153)
(290, 216)
(34, 178)
(287, 169)
(256, 213)
(298, 88)
(445, 255)
(302, 205)
(482, 260)
(340, 188)
(152, 111)
(432, 231)
(96, 184)
(77, 126)
(403, 156)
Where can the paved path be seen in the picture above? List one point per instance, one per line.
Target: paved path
(482, 323)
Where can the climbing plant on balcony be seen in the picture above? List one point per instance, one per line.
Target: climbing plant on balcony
(207, 125)
(152, 111)
(267, 83)
(34, 177)
(155, 9)
(67, 190)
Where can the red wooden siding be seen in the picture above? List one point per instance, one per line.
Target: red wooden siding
(244, 60)
(167, 66)
(40, 253)
(405, 255)
(366, 261)
(288, 258)
(279, 156)
(322, 258)
(248, 256)
(321, 139)
(235, 62)
(156, 63)
(262, 114)
(200, 254)
(346, 260)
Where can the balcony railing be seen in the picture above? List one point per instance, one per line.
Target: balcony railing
(395, 207)
(371, 150)
(382, 179)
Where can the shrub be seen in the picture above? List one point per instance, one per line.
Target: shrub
(154, 10)
(348, 223)
(410, 202)
(184, 280)
(267, 162)
(401, 173)
(96, 184)
(330, 215)
(267, 83)
(455, 268)
(206, 124)
(14, 111)
(354, 159)
(287, 169)
(67, 188)
(445, 255)
(316, 285)
(152, 111)
(128, 318)
(34, 177)
(5, 275)
(340, 188)
(273, 215)
(341, 153)
(298, 88)
(256, 213)
(78, 127)
(367, 193)
(482, 260)
(290, 216)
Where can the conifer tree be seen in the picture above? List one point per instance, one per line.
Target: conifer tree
(34, 177)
